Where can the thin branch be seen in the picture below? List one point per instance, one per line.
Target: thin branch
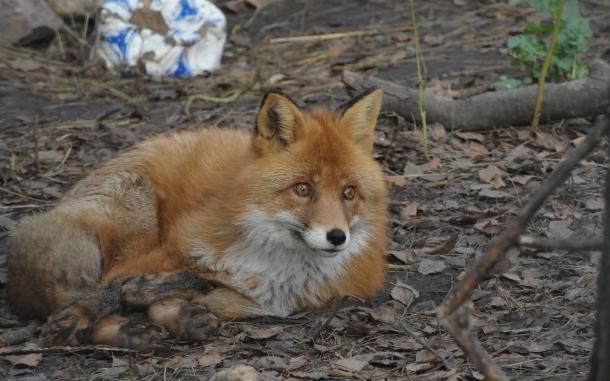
(424, 344)
(459, 327)
(569, 244)
(62, 350)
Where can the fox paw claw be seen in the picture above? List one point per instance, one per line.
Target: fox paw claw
(197, 322)
(71, 326)
(141, 336)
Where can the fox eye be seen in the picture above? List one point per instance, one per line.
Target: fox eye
(302, 189)
(349, 193)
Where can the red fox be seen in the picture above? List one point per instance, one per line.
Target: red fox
(217, 224)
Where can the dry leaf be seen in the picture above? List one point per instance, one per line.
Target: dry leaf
(425, 356)
(396, 181)
(404, 293)
(259, 333)
(520, 179)
(270, 362)
(416, 367)
(475, 150)
(437, 131)
(428, 266)
(578, 140)
(275, 78)
(490, 193)
(384, 314)
(560, 229)
(210, 358)
(408, 211)
(406, 256)
(432, 165)
(512, 276)
(297, 362)
(471, 136)
(50, 156)
(351, 364)
(488, 174)
(30, 359)
(6, 222)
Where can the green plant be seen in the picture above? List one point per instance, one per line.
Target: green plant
(529, 48)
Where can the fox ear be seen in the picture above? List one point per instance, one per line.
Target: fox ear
(359, 117)
(279, 122)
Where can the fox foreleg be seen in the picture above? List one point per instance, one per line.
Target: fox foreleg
(91, 316)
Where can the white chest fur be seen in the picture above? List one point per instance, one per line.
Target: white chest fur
(274, 267)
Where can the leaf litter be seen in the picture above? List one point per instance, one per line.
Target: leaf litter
(444, 209)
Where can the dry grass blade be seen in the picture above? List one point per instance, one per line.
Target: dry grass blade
(421, 81)
(333, 36)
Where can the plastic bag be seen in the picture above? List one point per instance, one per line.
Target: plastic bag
(178, 38)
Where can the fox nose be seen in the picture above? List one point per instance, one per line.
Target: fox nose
(336, 236)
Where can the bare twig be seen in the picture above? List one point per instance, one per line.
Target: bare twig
(546, 64)
(407, 329)
(112, 90)
(569, 244)
(27, 206)
(20, 195)
(65, 350)
(333, 313)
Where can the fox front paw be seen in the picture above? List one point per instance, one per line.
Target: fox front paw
(71, 326)
(121, 331)
(184, 320)
(197, 322)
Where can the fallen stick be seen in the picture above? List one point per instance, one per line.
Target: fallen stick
(574, 99)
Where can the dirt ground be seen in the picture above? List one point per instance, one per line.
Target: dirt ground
(61, 115)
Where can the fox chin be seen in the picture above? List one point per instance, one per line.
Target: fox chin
(203, 226)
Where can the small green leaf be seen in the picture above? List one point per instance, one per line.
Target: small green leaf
(506, 82)
(537, 28)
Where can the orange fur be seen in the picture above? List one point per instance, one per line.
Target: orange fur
(184, 202)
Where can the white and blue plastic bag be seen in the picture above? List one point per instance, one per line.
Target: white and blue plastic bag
(177, 38)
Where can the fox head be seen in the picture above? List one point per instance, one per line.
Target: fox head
(314, 183)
